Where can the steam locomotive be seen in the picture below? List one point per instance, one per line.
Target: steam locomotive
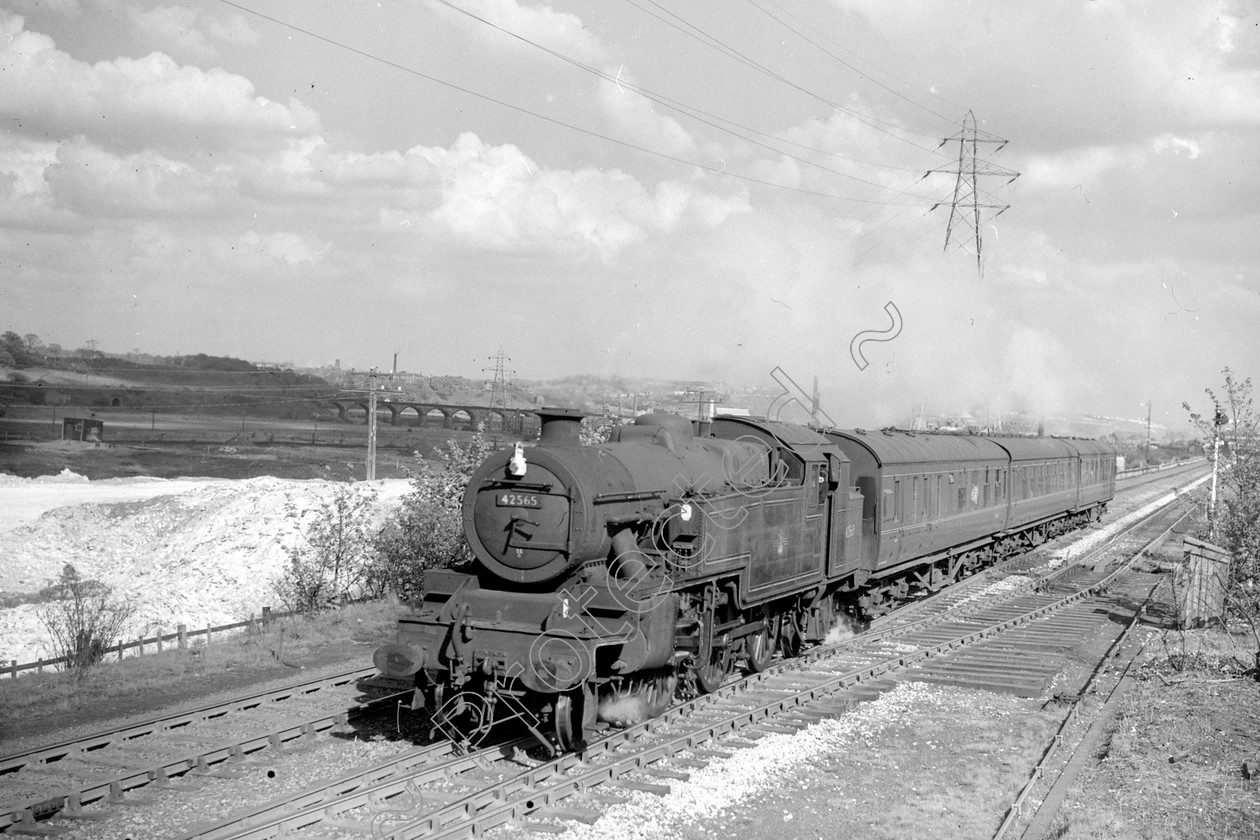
(610, 576)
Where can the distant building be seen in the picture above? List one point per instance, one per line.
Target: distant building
(83, 428)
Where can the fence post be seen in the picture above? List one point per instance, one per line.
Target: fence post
(183, 636)
(159, 639)
(266, 616)
(13, 672)
(39, 665)
(140, 646)
(207, 634)
(120, 650)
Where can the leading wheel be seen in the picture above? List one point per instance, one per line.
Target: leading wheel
(574, 718)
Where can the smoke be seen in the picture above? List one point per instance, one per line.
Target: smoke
(622, 709)
(843, 629)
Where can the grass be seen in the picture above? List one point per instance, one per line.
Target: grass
(154, 678)
(1172, 766)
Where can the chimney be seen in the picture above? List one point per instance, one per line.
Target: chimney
(560, 426)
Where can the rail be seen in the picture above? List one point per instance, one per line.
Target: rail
(1169, 465)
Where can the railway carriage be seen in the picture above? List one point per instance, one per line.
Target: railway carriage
(620, 571)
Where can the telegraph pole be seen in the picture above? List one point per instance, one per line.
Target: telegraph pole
(371, 451)
(1146, 450)
(1219, 420)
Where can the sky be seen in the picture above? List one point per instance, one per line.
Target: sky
(650, 188)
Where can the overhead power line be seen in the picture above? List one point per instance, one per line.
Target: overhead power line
(696, 33)
(695, 113)
(710, 168)
(845, 63)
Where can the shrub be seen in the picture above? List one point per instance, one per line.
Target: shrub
(329, 564)
(428, 531)
(1231, 434)
(83, 618)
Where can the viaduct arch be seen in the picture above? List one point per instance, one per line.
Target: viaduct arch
(452, 416)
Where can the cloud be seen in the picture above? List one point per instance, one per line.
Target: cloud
(636, 119)
(189, 32)
(1118, 71)
(91, 182)
(496, 197)
(560, 31)
(65, 8)
(283, 247)
(134, 102)
(25, 196)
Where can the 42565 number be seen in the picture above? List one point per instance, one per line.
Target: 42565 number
(525, 500)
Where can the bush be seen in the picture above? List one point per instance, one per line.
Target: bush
(83, 618)
(599, 428)
(329, 565)
(1231, 434)
(428, 530)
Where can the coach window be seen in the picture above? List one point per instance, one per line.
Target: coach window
(890, 500)
(898, 502)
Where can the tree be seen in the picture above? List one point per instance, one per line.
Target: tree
(15, 346)
(1231, 437)
(428, 530)
(599, 428)
(329, 563)
(83, 618)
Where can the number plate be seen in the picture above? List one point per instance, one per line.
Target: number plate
(524, 500)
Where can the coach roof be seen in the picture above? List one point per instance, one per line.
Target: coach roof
(891, 447)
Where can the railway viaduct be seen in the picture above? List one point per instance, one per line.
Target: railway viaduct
(452, 416)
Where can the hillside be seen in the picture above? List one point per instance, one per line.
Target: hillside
(191, 551)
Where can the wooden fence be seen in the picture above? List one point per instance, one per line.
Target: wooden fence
(180, 637)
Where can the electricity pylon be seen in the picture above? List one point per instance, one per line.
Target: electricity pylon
(969, 199)
(498, 389)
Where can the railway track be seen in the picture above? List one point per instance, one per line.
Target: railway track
(431, 791)
(108, 765)
(962, 640)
